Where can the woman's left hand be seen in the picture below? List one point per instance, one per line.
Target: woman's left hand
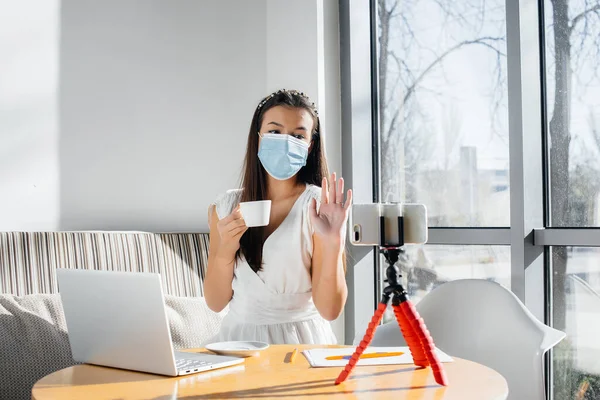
(330, 221)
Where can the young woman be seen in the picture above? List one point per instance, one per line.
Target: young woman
(285, 281)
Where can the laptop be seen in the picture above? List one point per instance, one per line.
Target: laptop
(119, 319)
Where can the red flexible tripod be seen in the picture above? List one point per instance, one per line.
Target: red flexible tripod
(412, 326)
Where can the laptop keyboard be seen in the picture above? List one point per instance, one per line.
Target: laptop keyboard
(187, 364)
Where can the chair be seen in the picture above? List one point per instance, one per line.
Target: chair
(481, 321)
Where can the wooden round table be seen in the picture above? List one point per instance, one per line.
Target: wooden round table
(272, 376)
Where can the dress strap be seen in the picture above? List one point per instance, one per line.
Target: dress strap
(226, 202)
(314, 192)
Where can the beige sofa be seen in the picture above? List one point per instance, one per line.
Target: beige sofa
(33, 335)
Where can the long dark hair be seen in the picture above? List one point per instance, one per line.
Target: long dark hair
(254, 177)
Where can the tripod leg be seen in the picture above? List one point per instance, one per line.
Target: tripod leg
(427, 344)
(375, 320)
(411, 337)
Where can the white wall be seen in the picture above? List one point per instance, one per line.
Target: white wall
(156, 101)
(139, 116)
(303, 52)
(136, 116)
(29, 172)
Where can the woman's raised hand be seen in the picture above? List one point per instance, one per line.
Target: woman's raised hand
(231, 229)
(330, 220)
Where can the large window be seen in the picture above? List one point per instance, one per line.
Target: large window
(447, 138)
(443, 129)
(576, 358)
(425, 267)
(573, 107)
(572, 53)
(443, 124)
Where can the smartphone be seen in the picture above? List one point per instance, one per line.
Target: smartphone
(365, 224)
(415, 223)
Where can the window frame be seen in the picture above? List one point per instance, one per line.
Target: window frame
(357, 118)
(529, 234)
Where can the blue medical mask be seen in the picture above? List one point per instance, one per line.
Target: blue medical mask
(282, 155)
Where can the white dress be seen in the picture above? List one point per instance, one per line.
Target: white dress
(275, 305)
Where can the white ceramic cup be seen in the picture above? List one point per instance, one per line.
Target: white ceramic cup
(256, 213)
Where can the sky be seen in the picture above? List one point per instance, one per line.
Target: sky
(463, 84)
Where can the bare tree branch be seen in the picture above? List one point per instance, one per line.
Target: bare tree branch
(403, 69)
(407, 25)
(393, 8)
(582, 26)
(449, 13)
(484, 41)
(582, 15)
(434, 63)
(401, 63)
(406, 126)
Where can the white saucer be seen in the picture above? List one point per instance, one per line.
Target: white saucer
(237, 349)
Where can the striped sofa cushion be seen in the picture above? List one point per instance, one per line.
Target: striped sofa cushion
(28, 260)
